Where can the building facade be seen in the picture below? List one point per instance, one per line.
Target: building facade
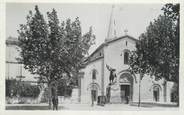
(14, 68)
(113, 55)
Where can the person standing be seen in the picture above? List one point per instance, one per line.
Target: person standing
(55, 102)
(54, 97)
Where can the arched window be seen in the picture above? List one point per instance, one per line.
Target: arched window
(126, 58)
(94, 74)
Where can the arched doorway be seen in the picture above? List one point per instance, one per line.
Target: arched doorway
(93, 87)
(126, 87)
(156, 93)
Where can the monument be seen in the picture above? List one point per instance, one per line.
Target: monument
(113, 88)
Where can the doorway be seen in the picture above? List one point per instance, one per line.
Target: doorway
(156, 94)
(125, 94)
(94, 95)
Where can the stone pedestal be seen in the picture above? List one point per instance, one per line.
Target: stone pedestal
(115, 93)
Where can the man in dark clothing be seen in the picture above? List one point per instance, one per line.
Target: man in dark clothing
(54, 97)
(55, 102)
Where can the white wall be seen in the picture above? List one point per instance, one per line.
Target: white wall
(114, 56)
(169, 91)
(14, 69)
(85, 82)
(147, 84)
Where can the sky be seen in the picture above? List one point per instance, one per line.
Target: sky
(133, 17)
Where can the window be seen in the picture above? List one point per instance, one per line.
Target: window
(94, 74)
(126, 58)
(126, 43)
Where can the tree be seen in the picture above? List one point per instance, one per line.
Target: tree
(53, 49)
(156, 51)
(172, 11)
(138, 64)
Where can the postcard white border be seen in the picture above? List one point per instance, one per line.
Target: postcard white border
(178, 111)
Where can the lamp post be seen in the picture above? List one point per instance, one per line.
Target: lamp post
(80, 76)
(92, 92)
(141, 75)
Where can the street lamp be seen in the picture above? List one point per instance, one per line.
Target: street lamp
(141, 76)
(80, 76)
(92, 92)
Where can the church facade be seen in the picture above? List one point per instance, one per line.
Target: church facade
(113, 55)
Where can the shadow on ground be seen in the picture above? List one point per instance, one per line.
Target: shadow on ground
(31, 107)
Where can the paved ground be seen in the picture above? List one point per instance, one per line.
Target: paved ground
(107, 107)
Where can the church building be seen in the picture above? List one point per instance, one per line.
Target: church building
(114, 54)
(111, 58)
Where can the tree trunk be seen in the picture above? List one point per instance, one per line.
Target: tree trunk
(141, 76)
(50, 95)
(139, 103)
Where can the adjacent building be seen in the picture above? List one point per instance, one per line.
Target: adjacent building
(14, 68)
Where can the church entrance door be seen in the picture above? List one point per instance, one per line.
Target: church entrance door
(94, 95)
(156, 94)
(125, 93)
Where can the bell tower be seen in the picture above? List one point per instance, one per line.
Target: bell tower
(111, 34)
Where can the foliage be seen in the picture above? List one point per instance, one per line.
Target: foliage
(29, 91)
(172, 11)
(64, 90)
(14, 88)
(158, 49)
(11, 89)
(53, 48)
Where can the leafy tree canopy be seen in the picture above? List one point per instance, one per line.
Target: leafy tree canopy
(51, 48)
(158, 49)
